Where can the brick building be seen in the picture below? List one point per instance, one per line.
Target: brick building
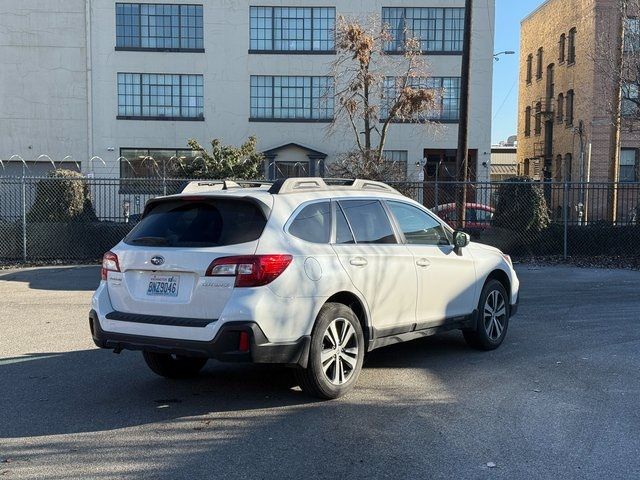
(565, 114)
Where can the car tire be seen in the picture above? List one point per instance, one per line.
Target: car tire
(335, 355)
(174, 366)
(492, 318)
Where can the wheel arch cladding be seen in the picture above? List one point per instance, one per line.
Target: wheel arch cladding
(502, 277)
(351, 300)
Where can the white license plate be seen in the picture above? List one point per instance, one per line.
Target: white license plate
(163, 286)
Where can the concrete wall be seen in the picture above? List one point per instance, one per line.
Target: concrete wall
(59, 98)
(227, 67)
(43, 79)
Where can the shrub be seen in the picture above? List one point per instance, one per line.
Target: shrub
(521, 206)
(62, 197)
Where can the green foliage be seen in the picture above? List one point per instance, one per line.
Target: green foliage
(224, 161)
(521, 207)
(62, 197)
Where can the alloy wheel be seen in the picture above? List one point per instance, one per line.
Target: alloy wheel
(495, 315)
(340, 351)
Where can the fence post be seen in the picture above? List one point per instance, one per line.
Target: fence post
(24, 218)
(565, 218)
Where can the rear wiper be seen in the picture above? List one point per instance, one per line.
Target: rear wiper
(151, 240)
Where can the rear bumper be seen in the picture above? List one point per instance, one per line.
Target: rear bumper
(223, 347)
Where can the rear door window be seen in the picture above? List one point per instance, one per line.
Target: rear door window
(313, 223)
(199, 223)
(369, 221)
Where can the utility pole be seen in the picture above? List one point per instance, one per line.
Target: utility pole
(616, 120)
(462, 156)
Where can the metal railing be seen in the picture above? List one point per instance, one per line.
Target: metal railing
(41, 218)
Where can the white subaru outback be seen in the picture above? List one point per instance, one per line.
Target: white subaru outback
(302, 272)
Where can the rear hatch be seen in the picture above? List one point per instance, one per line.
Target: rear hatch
(163, 261)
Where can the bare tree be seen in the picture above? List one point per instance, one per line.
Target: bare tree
(617, 67)
(374, 91)
(617, 62)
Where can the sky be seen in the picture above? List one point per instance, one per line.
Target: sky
(509, 13)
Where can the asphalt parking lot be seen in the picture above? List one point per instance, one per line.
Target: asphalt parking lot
(560, 399)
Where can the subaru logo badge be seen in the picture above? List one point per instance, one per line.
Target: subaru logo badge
(157, 260)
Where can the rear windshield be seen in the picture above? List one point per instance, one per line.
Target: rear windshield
(199, 223)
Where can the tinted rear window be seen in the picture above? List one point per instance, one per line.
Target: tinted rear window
(313, 223)
(202, 223)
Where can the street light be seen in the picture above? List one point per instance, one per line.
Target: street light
(506, 52)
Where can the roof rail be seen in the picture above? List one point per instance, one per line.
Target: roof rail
(293, 185)
(218, 185)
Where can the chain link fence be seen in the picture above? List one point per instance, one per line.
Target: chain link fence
(78, 219)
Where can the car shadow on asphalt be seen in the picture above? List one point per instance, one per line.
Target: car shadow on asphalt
(95, 390)
(72, 278)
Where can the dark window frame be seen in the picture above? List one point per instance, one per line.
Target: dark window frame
(570, 108)
(539, 65)
(441, 31)
(635, 167)
(538, 119)
(560, 108)
(529, 69)
(446, 104)
(571, 46)
(197, 39)
(145, 185)
(562, 48)
(527, 122)
(139, 97)
(313, 31)
(323, 104)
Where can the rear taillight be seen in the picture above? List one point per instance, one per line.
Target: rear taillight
(250, 270)
(109, 264)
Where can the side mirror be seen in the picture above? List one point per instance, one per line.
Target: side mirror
(460, 241)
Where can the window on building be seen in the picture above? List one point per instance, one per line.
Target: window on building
(159, 26)
(571, 47)
(368, 221)
(529, 68)
(560, 108)
(291, 169)
(292, 98)
(567, 167)
(631, 100)
(562, 48)
(527, 122)
(538, 125)
(569, 108)
(160, 96)
(551, 86)
(313, 223)
(397, 161)
(292, 29)
(629, 165)
(144, 168)
(447, 93)
(438, 29)
(557, 168)
(539, 67)
(632, 35)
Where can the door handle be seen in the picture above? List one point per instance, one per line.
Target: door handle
(358, 262)
(423, 262)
